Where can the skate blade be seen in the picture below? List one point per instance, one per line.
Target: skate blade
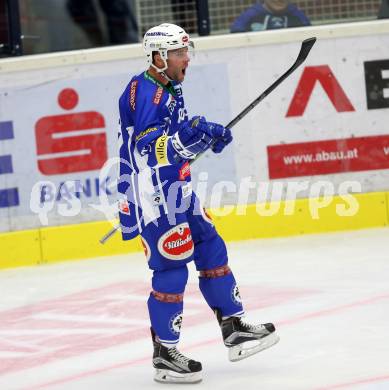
(168, 376)
(244, 350)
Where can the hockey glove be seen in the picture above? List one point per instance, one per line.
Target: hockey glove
(222, 136)
(192, 138)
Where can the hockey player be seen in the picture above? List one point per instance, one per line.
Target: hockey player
(157, 140)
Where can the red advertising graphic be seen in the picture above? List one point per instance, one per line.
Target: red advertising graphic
(70, 143)
(330, 156)
(330, 84)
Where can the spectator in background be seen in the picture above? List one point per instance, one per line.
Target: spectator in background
(121, 24)
(383, 12)
(270, 15)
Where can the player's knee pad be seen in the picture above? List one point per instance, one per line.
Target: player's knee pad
(211, 253)
(165, 303)
(219, 289)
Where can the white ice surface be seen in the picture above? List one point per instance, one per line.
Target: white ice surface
(83, 325)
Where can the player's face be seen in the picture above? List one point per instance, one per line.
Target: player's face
(177, 61)
(276, 5)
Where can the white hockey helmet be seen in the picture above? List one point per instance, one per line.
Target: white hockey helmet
(163, 38)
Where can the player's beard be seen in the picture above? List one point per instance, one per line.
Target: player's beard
(176, 74)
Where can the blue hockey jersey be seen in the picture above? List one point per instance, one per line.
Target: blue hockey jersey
(149, 113)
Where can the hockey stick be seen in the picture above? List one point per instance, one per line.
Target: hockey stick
(306, 47)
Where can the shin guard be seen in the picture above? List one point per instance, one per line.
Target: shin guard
(166, 316)
(219, 289)
(165, 303)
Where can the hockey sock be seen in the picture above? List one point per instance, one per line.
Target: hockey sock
(166, 303)
(165, 312)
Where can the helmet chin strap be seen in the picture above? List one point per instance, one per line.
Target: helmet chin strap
(164, 74)
(161, 71)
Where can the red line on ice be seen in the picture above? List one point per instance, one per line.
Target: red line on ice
(286, 322)
(358, 382)
(69, 327)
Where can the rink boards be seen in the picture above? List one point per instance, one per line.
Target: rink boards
(325, 128)
(70, 242)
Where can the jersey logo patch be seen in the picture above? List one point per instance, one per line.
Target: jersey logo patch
(124, 206)
(157, 198)
(175, 323)
(186, 190)
(146, 248)
(178, 90)
(161, 150)
(184, 171)
(145, 132)
(133, 87)
(235, 295)
(176, 243)
(158, 95)
(171, 106)
(206, 216)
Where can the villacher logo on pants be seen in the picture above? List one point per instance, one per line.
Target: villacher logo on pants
(176, 243)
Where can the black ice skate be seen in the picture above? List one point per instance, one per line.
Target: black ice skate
(172, 366)
(244, 340)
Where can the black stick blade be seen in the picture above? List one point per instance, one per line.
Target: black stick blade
(306, 47)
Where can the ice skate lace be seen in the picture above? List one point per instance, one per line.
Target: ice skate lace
(252, 328)
(178, 356)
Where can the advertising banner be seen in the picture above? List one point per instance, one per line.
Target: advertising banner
(329, 121)
(58, 140)
(326, 157)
